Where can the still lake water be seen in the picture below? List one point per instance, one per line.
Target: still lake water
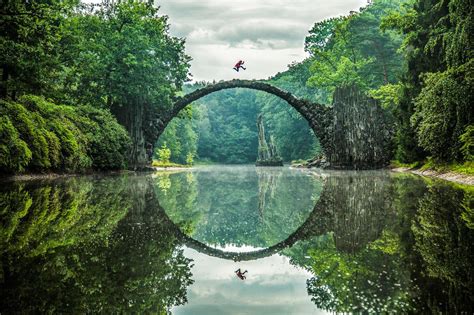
(311, 242)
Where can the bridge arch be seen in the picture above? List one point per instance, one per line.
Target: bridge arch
(317, 115)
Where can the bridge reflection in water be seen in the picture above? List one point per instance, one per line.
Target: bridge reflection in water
(344, 208)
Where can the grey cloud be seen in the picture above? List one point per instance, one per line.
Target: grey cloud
(265, 26)
(219, 298)
(273, 34)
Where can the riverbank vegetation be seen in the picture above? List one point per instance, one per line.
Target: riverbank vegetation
(89, 81)
(37, 135)
(103, 77)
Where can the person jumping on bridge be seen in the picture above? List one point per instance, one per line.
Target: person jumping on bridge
(239, 65)
(241, 274)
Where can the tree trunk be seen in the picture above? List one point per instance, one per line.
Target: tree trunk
(131, 117)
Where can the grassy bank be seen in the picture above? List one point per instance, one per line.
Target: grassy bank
(157, 163)
(466, 168)
(462, 173)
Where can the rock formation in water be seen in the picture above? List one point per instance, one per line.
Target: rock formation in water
(267, 152)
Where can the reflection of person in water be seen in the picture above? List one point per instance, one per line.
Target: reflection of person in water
(240, 274)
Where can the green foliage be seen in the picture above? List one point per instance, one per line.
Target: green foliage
(14, 152)
(350, 283)
(108, 141)
(75, 245)
(32, 130)
(71, 143)
(219, 206)
(180, 136)
(443, 109)
(467, 141)
(294, 139)
(225, 122)
(117, 49)
(355, 50)
(321, 34)
(437, 230)
(164, 154)
(115, 56)
(227, 130)
(122, 57)
(189, 159)
(388, 95)
(29, 35)
(45, 136)
(157, 163)
(438, 48)
(443, 167)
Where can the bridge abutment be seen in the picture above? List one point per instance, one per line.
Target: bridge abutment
(360, 132)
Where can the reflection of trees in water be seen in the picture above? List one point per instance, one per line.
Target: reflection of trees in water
(82, 246)
(222, 207)
(395, 246)
(267, 180)
(444, 242)
(179, 198)
(353, 263)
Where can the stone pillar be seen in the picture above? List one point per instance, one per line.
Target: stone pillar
(360, 133)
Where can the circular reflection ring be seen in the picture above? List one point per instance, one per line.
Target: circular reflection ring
(316, 224)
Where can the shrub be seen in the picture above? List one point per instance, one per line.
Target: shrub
(61, 122)
(39, 135)
(31, 130)
(14, 152)
(108, 140)
(467, 141)
(164, 154)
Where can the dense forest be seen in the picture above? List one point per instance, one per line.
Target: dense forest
(84, 87)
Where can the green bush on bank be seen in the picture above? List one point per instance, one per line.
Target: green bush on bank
(14, 152)
(37, 135)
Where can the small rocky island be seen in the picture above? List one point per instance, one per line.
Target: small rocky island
(267, 152)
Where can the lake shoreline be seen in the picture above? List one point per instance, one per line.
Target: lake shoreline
(52, 175)
(449, 176)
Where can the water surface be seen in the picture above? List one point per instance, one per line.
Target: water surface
(312, 243)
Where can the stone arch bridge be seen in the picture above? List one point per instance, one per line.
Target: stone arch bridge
(354, 131)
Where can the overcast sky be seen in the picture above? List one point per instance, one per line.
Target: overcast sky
(267, 34)
(273, 286)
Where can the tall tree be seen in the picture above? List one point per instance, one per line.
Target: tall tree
(436, 104)
(120, 56)
(355, 50)
(29, 36)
